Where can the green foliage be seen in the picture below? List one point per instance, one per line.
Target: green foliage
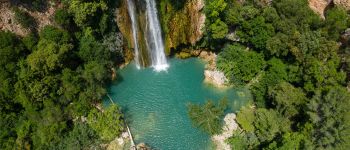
(52, 50)
(90, 49)
(245, 118)
(30, 41)
(336, 22)
(208, 116)
(49, 80)
(107, 124)
(24, 19)
(239, 64)
(238, 141)
(81, 137)
(84, 12)
(328, 111)
(215, 7)
(256, 32)
(276, 71)
(218, 29)
(287, 99)
(62, 18)
(267, 124)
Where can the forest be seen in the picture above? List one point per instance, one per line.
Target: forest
(52, 78)
(296, 65)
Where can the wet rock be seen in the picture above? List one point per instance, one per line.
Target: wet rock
(143, 146)
(183, 55)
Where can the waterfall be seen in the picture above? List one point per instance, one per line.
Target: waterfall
(132, 12)
(155, 41)
(145, 23)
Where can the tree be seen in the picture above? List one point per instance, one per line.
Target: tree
(84, 12)
(208, 116)
(91, 49)
(62, 18)
(52, 50)
(245, 118)
(267, 124)
(287, 99)
(214, 8)
(276, 71)
(336, 22)
(328, 112)
(240, 65)
(81, 137)
(218, 29)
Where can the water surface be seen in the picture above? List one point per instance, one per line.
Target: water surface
(155, 103)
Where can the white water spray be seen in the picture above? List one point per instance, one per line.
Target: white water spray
(132, 13)
(155, 41)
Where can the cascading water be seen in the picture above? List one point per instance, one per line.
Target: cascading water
(145, 24)
(155, 41)
(132, 12)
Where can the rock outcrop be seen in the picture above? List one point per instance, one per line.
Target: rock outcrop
(343, 3)
(211, 74)
(8, 23)
(320, 6)
(182, 26)
(227, 132)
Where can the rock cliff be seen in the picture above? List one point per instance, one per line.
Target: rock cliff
(320, 6)
(180, 25)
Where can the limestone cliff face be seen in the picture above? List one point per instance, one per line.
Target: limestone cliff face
(180, 26)
(319, 6)
(125, 26)
(183, 26)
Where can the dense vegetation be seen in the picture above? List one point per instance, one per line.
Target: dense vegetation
(52, 82)
(294, 65)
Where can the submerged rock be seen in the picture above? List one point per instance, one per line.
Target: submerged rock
(227, 132)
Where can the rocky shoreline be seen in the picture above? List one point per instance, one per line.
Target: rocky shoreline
(227, 132)
(212, 75)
